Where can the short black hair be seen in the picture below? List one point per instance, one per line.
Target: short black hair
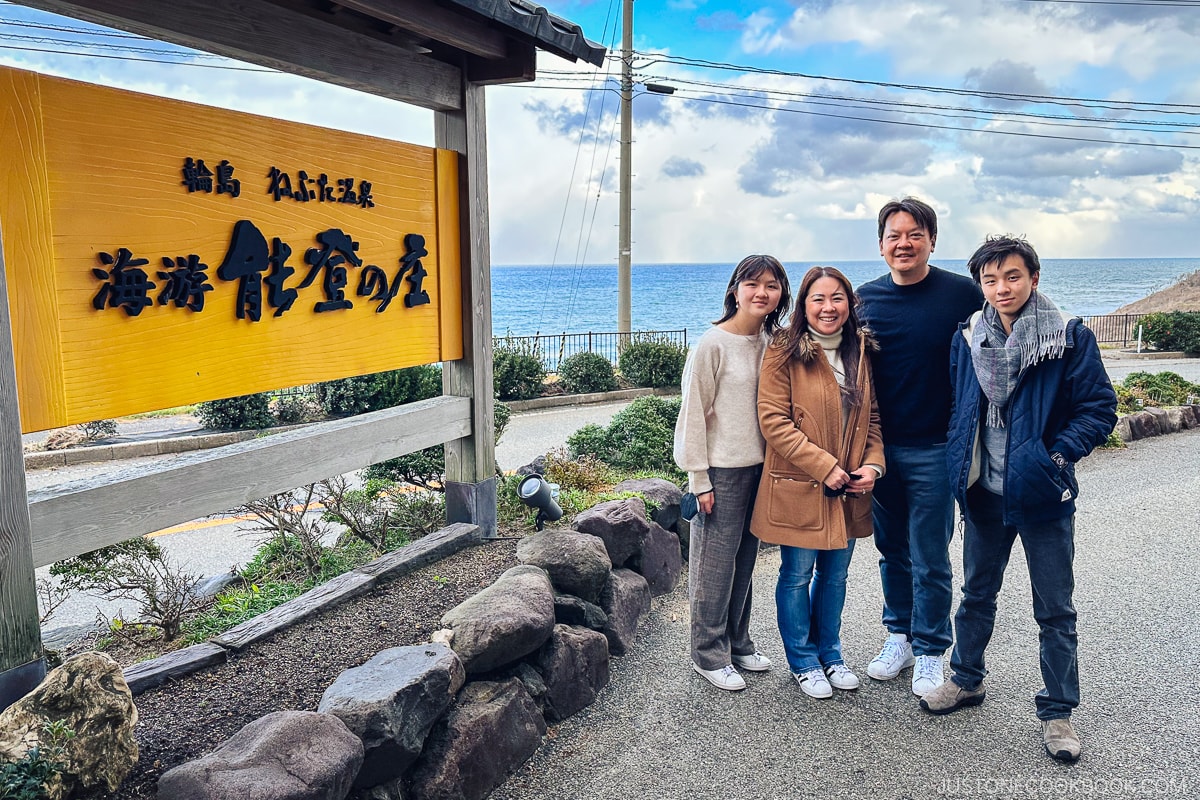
(921, 211)
(997, 248)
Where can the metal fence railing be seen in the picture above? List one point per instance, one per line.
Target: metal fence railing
(1114, 328)
(553, 348)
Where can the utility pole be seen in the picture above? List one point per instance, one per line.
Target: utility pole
(624, 244)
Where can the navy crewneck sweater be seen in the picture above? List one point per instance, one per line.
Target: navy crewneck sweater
(914, 326)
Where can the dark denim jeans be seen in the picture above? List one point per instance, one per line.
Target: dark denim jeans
(1049, 551)
(914, 519)
(809, 599)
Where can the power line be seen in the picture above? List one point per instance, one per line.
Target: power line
(1115, 105)
(949, 127)
(1164, 3)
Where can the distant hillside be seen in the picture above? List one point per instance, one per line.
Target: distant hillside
(1182, 296)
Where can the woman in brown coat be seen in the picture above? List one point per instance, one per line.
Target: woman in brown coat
(817, 412)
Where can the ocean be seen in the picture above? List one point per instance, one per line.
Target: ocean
(527, 300)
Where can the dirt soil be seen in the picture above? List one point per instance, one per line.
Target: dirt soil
(188, 718)
(1182, 296)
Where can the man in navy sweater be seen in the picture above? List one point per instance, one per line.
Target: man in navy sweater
(914, 311)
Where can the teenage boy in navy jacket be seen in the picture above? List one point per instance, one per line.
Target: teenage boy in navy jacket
(1031, 398)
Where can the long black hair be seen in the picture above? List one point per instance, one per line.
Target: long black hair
(850, 349)
(750, 268)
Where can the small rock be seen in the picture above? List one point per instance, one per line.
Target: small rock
(90, 695)
(577, 563)
(571, 610)
(286, 755)
(504, 622)
(662, 493)
(626, 600)
(493, 728)
(660, 561)
(574, 664)
(622, 524)
(391, 703)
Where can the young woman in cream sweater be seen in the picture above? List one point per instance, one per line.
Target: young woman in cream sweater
(717, 442)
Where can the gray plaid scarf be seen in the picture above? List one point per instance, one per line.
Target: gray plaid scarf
(1040, 332)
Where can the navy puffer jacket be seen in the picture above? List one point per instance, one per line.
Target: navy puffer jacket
(1061, 405)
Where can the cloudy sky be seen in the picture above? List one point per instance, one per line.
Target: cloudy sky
(1072, 122)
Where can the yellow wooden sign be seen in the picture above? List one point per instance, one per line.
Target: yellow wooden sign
(160, 253)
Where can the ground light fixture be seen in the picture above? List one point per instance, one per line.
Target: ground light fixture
(535, 492)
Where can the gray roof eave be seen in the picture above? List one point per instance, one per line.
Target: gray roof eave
(547, 31)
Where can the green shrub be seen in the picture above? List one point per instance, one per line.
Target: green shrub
(653, 362)
(363, 393)
(1140, 389)
(400, 386)
(517, 371)
(292, 409)
(427, 468)
(584, 373)
(640, 437)
(29, 777)
(99, 429)
(1173, 330)
(248, 412)
(585, 472)
(138, 570)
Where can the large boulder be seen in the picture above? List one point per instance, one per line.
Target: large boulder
(1123, 429)
(574, 665)
(663, 494)
(286, 755)
(571, 610)
(577, 563)
(626, 600)
(391, 702)
(506, 621)
(660, 561)
(622, 524)
(1163, 418)
(492, 729)
(1142, 425)
(89, 695)
(1190, 416)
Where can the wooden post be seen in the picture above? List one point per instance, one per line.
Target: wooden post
(471, 460)
(22, 666)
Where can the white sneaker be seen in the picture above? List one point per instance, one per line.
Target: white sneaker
(755, 662)
(814, 684)
(842, 677)
(896, 655)
(726, 677)
(927, 675)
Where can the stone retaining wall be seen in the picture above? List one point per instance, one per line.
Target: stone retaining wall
(452, 718)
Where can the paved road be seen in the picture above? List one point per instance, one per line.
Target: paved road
(658, 731)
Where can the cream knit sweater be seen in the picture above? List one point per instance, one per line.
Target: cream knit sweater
(718, 421)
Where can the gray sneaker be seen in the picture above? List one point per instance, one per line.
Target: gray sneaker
(1060, 738)
(951, 697)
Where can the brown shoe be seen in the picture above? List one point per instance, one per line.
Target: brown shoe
(951, 697)
(1062, 742)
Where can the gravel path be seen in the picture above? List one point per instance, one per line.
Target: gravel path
(658, 731)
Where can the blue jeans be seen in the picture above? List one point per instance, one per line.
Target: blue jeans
(1049, 551)
(914, 519)
(809, 598)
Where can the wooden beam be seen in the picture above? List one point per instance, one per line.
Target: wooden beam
(276, 37)
(473, 459)
(437, 23)
(21, 663)
(520, 65)
(83, 516)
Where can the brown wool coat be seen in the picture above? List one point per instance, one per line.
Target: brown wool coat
(799, 411)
